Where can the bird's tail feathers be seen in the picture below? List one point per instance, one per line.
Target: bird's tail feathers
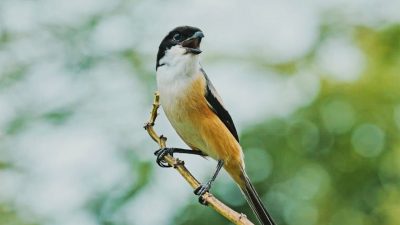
(255, 202)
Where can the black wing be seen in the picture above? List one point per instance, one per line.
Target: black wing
(215, 103)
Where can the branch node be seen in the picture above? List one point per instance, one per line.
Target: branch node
(178, 162)
(148, 125)
(242, 215)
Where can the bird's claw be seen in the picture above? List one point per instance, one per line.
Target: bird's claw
(202, 189)
(202, 201)
(161, 153)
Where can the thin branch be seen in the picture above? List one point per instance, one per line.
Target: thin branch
(213, 202)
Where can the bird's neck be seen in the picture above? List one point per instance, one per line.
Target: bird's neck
(178, 69)
(174, 79)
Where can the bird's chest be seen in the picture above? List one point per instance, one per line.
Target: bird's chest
(182, 103)
(176, 108)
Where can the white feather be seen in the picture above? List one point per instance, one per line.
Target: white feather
(178, 71)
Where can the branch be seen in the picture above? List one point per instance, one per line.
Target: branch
(214, 203)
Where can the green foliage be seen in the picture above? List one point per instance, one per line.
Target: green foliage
(9, 216)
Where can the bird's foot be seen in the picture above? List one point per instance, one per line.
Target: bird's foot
(202, 189)
(161, 153)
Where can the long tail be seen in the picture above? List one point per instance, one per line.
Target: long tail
(255, 202)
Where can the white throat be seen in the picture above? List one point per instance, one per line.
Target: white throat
(177, 72)
(177, 62)
(176, 67)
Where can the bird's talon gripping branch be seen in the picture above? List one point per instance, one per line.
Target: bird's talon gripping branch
(160, 153)
(202, 201)
(203, 188)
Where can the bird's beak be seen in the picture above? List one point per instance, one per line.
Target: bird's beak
(192, 44)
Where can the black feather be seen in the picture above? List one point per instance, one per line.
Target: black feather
(255, 202)
(218, 108)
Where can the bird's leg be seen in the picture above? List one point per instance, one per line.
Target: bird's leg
(203, 188)
(164, 151)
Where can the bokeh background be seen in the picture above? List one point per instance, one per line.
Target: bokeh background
(313, 87)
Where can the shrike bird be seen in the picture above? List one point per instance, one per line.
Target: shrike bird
(198, 115)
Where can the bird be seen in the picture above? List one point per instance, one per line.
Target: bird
(198, 115)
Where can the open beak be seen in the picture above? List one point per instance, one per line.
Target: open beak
(192, 44)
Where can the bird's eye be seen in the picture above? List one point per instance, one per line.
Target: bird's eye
(177, 37)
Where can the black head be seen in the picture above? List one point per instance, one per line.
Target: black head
(186, 36)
